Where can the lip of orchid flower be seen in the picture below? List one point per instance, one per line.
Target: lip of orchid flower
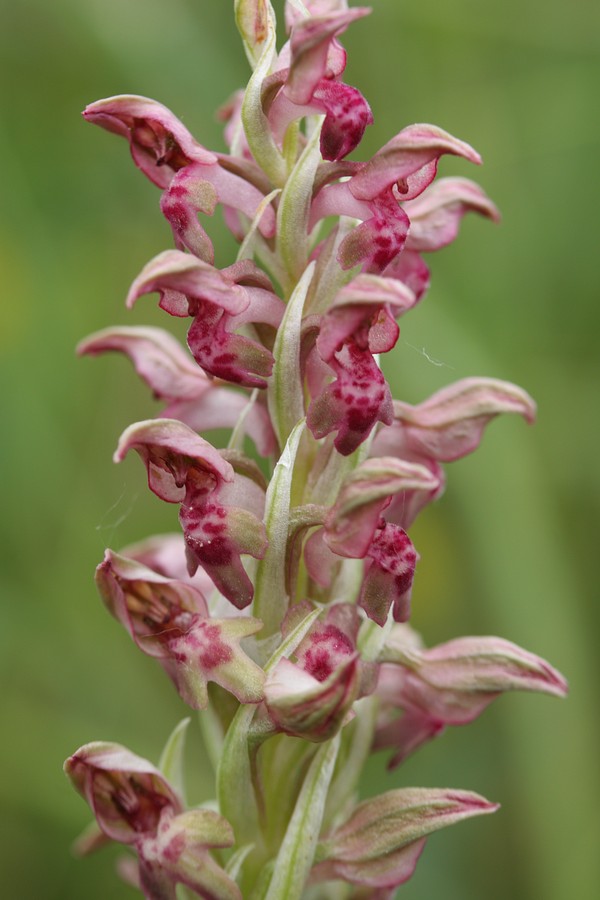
(389, 575)
(168, 619)
(353, 403)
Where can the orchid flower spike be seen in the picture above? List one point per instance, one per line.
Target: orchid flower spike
(278, 605)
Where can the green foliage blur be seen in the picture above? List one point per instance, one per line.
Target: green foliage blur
(510, 549)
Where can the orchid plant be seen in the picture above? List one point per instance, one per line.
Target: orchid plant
(281, 609)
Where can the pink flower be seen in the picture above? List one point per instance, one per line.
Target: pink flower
(135, 805)
(184, 468)
(312, 698)
(169, 620)
(220, 301)
(451, 684)
(379, 845)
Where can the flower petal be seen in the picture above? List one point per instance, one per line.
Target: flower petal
(160, 143)
(354, 403)
(126, 792)
(379, 845)
(409, 161)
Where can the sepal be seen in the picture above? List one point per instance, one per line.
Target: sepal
(450, 424)
(365, 493)
(451, 684)
(408, 162)
(379, 845)
(160, 143)
(169, 620)
(436, 215)
(310, 48)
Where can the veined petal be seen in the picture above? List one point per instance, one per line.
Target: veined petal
(158, 358)
(409, 161)
(379, 845)
(436, 215)
(450, 424)
(180, 272)
(481, 664)
(410, 269)
(160, 143)
(451, 684)
(221, 407)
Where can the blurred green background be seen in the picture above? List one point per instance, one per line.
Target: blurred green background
(510, 549)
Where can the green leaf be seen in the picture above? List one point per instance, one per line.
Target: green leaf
(297, 851)
(294, 209)
(285, 395)
(171, 759)
(256, 125)
(234, 779)
(270, 598)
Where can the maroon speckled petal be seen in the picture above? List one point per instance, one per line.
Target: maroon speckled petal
(347, 114)
(353, 404)
(389, 577)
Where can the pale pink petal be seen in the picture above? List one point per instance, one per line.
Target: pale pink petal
(436, 215)
(158, 358)
(160, 143)
(408, 162)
